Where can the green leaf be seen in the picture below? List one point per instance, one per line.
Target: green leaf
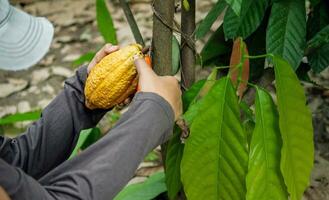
(175, 56)
(205, 25)
(250, 18)
(174, 155)
(19, 117)
(319, 60)
(215, 158)
(86, 138)
(320, 39)
(264, 178)
(186, 5)
(211, 80)
(175, 147)
(235, 6)
(85, 58)
(287, 31)
(189, 96)
(195, 105)
(93, 137)
(147, 190)
(105, 22)
(297, 154)
(215, 46)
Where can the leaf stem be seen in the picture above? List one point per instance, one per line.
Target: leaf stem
(222, 67)
(258, 56)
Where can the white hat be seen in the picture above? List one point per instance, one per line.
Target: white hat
(24, 39)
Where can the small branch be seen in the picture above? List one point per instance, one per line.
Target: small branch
(132, 22)
(188, 51)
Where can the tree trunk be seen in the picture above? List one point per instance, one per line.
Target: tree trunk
(162, 36)
(187, 48)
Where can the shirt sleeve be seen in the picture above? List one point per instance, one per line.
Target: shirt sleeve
(50, 140)
(104, 168)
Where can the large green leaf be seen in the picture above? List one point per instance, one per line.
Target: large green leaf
(174, 151)
(320, 39)
(319, 60)
(215, 158)
(105, 22)
(286, 31)
(264, 179)
(174, 155)
(245, 24)
(189, 96)
(19, 117)
(195, 104)
(147, 190)
(235, 5)
(295, 122)
(211, 17)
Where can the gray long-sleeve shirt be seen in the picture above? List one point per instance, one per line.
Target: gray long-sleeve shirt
(34, 166)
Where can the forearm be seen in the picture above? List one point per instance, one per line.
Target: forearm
(50, 140)
(102, 170)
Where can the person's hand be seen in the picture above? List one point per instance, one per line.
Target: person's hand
(3, 194)
(165, 86)
(106, 50)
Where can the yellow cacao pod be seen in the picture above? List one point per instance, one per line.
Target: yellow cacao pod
(113, 79)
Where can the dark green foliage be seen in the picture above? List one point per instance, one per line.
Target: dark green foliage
(211, 17)
(250, 18)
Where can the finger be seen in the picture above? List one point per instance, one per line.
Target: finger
(142, 67)
(108, 48)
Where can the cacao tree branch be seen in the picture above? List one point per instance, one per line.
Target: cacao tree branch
(162, 36)
(188, 51)
(132, 22)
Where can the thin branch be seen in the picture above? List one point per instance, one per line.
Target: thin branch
(132, 22)
(188, 51)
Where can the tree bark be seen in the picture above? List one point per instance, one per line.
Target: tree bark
(187, 50)
(162, 36)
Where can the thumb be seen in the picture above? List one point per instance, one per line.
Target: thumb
(142, 67)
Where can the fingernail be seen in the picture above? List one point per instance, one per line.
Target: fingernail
(136, 57)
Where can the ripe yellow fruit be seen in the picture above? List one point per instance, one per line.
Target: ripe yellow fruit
(113, 79)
